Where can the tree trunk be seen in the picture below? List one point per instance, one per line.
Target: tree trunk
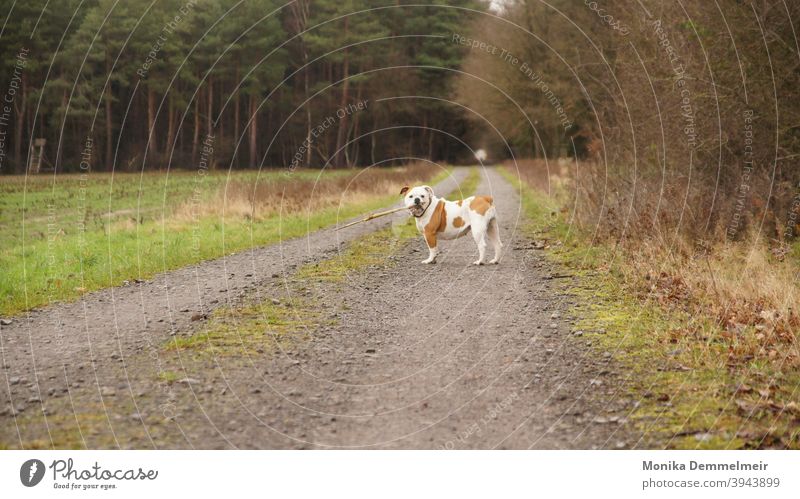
(427, 131)
(356, 129)
(556, 149)
(430, 145)
(170, 128)
(210, 109)
(300, 10)
(109, 126)
(196, 137)
(253, 132)
(341, 136)
(59, 147)
(236, 118)
(308, 110)
(152, 149)
(372, 137)
(20, 108)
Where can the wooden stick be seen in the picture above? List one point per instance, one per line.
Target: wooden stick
(374, 215)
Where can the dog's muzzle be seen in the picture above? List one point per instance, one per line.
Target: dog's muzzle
(416, 210)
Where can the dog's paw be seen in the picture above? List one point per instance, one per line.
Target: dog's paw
(477, 262)
(428, 261)
(494, 261)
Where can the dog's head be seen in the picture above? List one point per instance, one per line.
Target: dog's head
(417, 199)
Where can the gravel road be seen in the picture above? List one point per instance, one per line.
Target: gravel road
(408, 356)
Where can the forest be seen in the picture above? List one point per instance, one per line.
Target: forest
(694, 104)
(140, 85)
(675, 105)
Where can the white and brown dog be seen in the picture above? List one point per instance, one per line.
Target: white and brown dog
(443, 219)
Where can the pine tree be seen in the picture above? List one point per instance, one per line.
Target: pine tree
(337, 28)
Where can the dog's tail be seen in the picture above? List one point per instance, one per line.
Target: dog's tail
(492, 225)
(492, 211)
(493, 231)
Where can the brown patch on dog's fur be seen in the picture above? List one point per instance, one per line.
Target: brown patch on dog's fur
(458, 222)
(437, 223)
(459, 202)
(481, 204)
(430, 239)
(404, 190)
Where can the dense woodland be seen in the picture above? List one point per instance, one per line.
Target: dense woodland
(689, 111)
(138, 84)
(693, 103)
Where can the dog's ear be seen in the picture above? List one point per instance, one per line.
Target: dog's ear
(430, 191)
(404, 190)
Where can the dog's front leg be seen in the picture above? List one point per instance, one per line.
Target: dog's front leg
(430, 240)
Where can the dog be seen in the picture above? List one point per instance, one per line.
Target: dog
(442, 219)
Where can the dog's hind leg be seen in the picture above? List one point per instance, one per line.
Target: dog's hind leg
(493, 232)
(479, 235)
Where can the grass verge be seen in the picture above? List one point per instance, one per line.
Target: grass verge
(254, 328)
(83, 234)
(692, 388)
(85, 428)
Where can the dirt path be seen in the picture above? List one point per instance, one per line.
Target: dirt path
(407, 356)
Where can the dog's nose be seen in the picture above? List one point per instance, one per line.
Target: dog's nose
(416, 200)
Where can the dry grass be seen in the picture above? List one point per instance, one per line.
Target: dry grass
(750, 297)
(707, 327)
(546, 176)
(263, 199)
(663, 249)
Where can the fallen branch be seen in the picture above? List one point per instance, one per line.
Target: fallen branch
(374, 215)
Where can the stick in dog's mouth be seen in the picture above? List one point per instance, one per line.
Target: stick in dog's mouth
(416, 210)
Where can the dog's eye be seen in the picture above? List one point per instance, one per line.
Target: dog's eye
(423, 196)
(411, 196)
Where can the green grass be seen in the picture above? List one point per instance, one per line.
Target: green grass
(250, 329)
(169, 377)
(98, 200)
(467, 187)
(84, 234)
(372, 249)
(87, 427)
(684, 388)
